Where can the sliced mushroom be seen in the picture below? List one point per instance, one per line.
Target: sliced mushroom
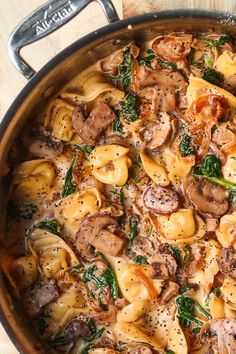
(89, 181)
(76, 329)
(208, 198)
(164, 78)
(227, 262)
(163, 265)
(170, 290)
(223, 137)
(160, 200)
(156, 99)
(143, 246)
(46, 147)
(217, 152)
(92, 231)
(156, 134)
(38, 295)
(224, 330)
(89, 129)
(172, 47)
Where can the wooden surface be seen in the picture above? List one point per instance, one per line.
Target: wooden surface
(11, 82)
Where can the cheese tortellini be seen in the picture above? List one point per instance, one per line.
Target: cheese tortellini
(110, 163)
(33, 179)
(53, 255)
(156, 172)
(229, 168)
(226, 64)
(198, 87)
(180, 227)
(226, 231)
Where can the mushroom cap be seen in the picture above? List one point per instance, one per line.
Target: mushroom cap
(160, 200)
(208, 198)
(225, 330)
(227, 262)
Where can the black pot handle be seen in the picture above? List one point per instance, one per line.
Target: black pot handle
(44, 20)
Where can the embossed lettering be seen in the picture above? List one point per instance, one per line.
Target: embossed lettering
(53, 16)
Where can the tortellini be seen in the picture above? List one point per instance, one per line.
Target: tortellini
(156, 172)
(149, 329)
(226, 231)
(52, 253)
(225, 304)
(228, 291)
(58, 119)
(21, 272)
(69, 305)
(110, 163)
(135, 282)
(95, 86)
(198, 87)
(177, 167)
(33, 179)
(229, 168)
(226, 64)
(180, 227)
(73, 208)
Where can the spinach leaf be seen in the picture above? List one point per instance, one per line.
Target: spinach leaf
(185, 288)
(107, 278)
(216, 292)
(43, 322)
(59, 340)
(111, 280)
(167, 64)
(187, 256)
(92, 339)
(76, 269)
(147, 61)
(185, 147)
(69, 187)
(213, 76)
(87, 149)
(211, 166)
(52, 226)
(21, 209)
(175, 251)
(125, 68)
(186, 307)
(129, 108)
(117, 126)
(218, 42)
(133, 232)
(169, 352)
(139, 259)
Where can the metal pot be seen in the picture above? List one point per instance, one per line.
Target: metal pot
(60, 70)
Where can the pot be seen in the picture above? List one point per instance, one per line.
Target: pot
(56, 73)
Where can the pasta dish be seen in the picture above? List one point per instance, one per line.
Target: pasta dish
(120, 232)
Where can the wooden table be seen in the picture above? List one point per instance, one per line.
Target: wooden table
(11, 82)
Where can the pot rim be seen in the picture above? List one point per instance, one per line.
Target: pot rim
(78, 44)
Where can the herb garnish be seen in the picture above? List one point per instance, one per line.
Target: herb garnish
(185, 147)
(52, 226)
(218, 42)
(117, 126)
(213, 76)
(186, 307)
(211, 170)
(69, 187)
(21, 209)
(107, 278)
(139, 259)
(167, 64)
(125, 68)
(43, 322)
(147, 61)
(87, 149)
(133, 232)
(129, 108)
